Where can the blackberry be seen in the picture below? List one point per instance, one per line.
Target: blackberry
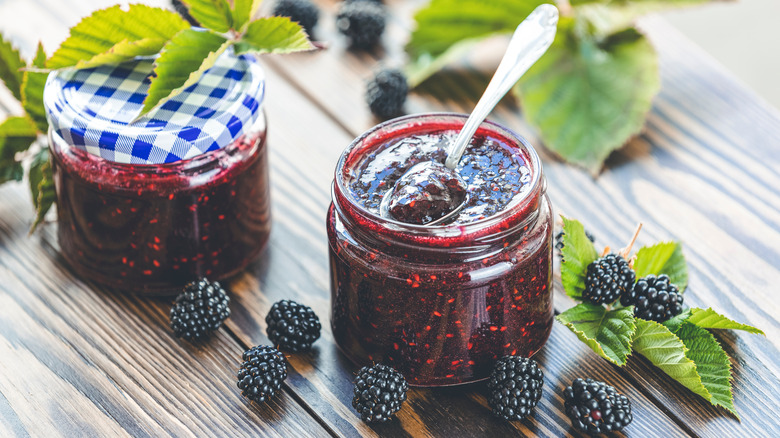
(199, 310)
(292, 326)
(386, 93)
(363, 22)
(379, 392)
(608, 278)
(182, 10)
(595, 407)
(304, 12)
(262, 372)
(654, 298)
(515, 387)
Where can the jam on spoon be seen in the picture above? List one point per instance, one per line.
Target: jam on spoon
(430, 193)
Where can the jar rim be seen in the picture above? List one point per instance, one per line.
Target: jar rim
(416, 123)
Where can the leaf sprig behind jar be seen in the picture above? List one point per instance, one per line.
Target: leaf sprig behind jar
(115, 35)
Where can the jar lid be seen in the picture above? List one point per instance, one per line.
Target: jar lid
(94, 110)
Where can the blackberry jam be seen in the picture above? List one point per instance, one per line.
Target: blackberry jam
(153, 228)
(149, 203)
(440, 303)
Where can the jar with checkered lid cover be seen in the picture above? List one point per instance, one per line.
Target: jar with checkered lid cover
(148, 205)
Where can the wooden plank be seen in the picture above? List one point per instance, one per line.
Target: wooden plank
(705, 172)
(78, 360)
(295, 267)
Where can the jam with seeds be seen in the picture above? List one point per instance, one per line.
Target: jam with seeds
(440, 303)
(152, 228)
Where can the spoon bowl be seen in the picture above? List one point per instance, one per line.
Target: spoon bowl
(530, 41)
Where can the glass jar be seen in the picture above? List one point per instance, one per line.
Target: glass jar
(151, 227)
(440, 303)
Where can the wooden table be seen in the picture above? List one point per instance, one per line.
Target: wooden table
(81, 360)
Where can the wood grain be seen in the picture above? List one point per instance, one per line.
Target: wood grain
(704, 172)
(295, 267)
(79, 360)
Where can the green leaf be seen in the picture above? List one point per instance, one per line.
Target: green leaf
(10, 63)
(273, 35)
(713, 320)
(712, 364)
(16, 135)
(607, 16)
(663, 258)
(182, 62)
(213, 14)
(445, 22)
(666, 351)
(608, 333)
(587, 100)
(426, 66)
(113, 35)
(243, 11)
(32, 91)
(578, 252)
(41, 186)
(674, 323)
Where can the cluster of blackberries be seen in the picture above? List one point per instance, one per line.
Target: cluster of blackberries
(202, 307)
(292, 327)
(363, 23)
(515, 388)
(654, 298)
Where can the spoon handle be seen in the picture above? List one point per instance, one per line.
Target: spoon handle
(529, 42)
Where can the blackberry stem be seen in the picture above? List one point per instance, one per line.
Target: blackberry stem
(627, 250)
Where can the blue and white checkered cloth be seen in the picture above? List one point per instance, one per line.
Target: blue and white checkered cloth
(92, 109)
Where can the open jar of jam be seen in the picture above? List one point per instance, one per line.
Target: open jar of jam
(148, 204)
(441, 303)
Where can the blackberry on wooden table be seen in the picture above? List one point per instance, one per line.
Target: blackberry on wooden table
(199, 310)
(595, 407)
(292, 326)
(379, 392)
(515, 387)
(262, 372)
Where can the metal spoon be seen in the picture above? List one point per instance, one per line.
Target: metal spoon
(531, 39)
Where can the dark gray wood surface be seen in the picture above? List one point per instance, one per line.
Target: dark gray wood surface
(80, 360)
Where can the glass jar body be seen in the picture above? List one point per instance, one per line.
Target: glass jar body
(443, 313)
(152, 228)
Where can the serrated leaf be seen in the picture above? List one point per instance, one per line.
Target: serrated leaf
(712, 364)
(663, 258)
(674, 323)
(445, 22)
(587, 100)
(10, 63)
(16, 135)
(713, 320)
(182, 62)
(113, 35)
(213, 14)
(273, 35)
(608, 333)
(243, 11)
(666, 351)
(41, 186)
(578, 252)
(32, 91)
